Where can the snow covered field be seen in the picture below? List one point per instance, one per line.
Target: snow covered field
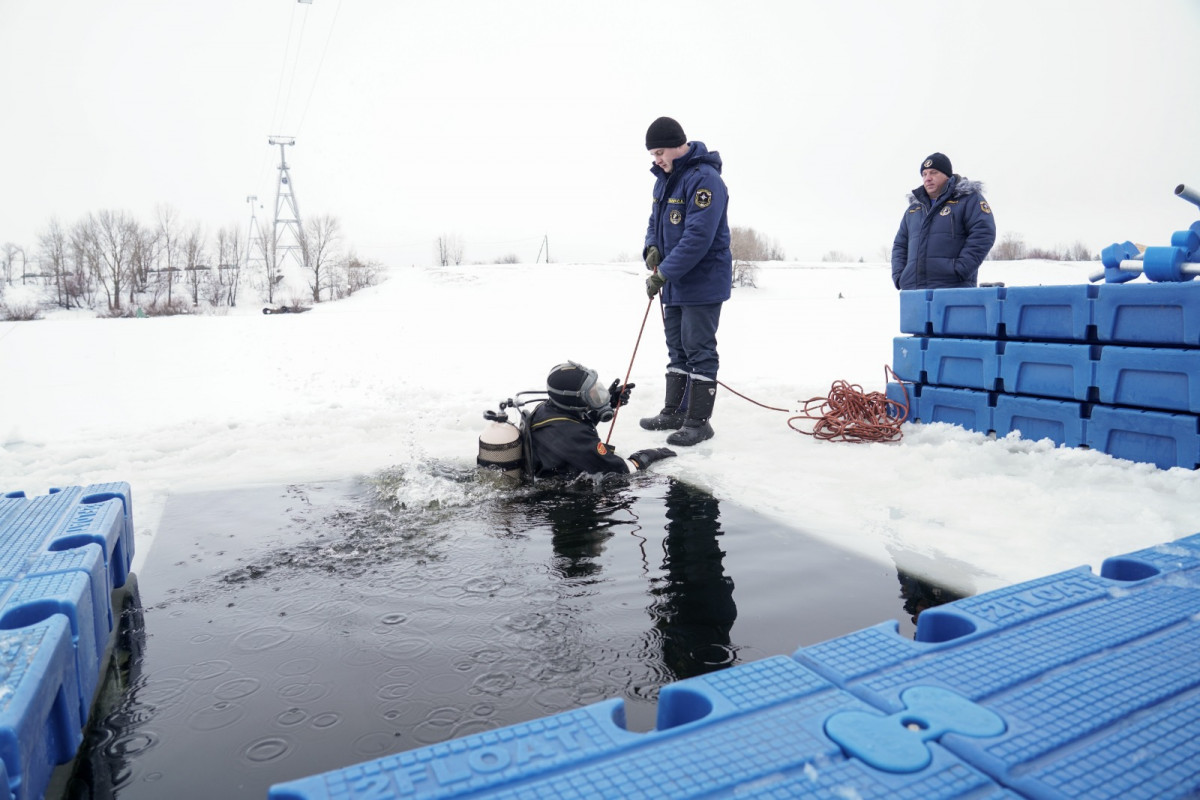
(399, 375)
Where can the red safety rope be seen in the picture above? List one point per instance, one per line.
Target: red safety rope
(629, 371)
(849, 414)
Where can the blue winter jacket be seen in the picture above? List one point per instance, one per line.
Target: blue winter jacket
(690, 226)
(941, 244)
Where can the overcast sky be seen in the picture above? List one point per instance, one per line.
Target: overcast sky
(504, 123)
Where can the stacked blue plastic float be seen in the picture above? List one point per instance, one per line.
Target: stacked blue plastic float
(61, 556)
(1075, 685)
(1114, 367)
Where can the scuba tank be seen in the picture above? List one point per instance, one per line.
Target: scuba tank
(500, 445)
(505, 447)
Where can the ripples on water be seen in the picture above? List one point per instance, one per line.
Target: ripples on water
(428, 602)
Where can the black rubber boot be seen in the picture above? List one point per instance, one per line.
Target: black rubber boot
(672, 416)
(700, 405)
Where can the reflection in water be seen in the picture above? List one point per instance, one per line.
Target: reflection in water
(693, 609)
(313, 628)
(112, 738)
(919, 594)
(581, 521)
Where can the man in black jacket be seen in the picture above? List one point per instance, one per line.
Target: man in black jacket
(946, 232)
(563, 429)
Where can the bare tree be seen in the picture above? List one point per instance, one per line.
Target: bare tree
(192, 248)
(115, 233)
(1011, 248)
(52, 249)
(450, 249)
(8, 258)
(272, 269)
(319, 246)
(748, 244)
(143, 260)
(229, 263)
(1079, 252)
(85, 262)
(360, 274)
(167, 222)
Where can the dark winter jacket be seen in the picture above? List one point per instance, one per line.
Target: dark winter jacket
(565, 444)
(941, 244)
(690, 226)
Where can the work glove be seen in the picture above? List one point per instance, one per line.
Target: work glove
(653, 257)
(654, 283)
(644, 458)
(619, 395)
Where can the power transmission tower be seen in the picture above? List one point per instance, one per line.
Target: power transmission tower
(287, 211)
(256, 247)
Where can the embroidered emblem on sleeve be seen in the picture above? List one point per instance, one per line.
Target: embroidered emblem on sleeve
(601, 449)
(676, 217)
(984, 207)
(703, 198)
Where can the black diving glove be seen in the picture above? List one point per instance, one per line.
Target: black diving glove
(644, 458)
(619, 395)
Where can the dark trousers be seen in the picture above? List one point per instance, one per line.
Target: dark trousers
(692, 339)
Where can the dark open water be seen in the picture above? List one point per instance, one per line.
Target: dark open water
(283, 632)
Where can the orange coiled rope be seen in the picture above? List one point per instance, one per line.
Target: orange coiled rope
(849, 414)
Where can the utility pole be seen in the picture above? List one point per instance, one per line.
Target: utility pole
(287, 211)
(545, 246)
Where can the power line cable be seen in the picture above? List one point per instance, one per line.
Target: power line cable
(320, 63)
(295, 68)
(283, 68)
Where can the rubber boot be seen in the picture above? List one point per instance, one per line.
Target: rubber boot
(672, 415)
(700, 405)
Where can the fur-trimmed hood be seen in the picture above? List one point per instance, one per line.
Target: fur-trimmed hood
(960, 187)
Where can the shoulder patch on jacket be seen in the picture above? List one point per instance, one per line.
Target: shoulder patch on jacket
(703, 198)
(984, 207)
(601, 449)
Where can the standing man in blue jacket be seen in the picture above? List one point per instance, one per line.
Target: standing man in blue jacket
(946, 232)
(687, 252)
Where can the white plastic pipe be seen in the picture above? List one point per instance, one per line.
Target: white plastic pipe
(1188, 193)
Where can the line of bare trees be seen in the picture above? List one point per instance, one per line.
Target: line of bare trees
(110, 261)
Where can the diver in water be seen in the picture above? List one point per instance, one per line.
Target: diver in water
(563, 428)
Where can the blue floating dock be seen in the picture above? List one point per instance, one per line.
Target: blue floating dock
(1149, 313)
(1150, 377)
(914, 312)
(1153, 437)
(966, 408)
(1129, 351)
(61, 556)
(963, 363)
(1046, 369)
(1037, 418)
(908, 357)
(966, 312)
(1048, 313)
(1074, 685)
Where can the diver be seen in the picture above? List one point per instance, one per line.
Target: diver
(562, 430)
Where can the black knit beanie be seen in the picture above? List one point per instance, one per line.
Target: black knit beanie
(664, 132)
(939, 162)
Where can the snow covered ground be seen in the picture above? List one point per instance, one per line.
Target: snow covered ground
(399, 376)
